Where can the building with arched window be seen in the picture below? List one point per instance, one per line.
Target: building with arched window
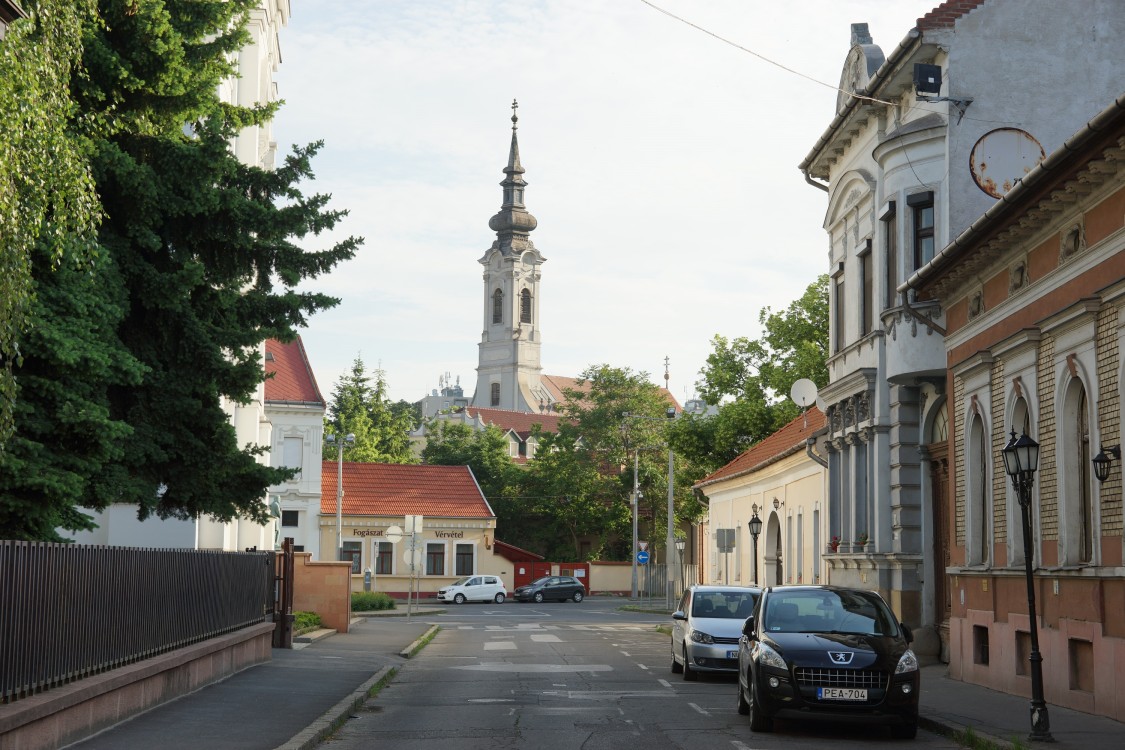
(1033, 295)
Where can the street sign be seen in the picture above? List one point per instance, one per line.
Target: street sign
(394, 534)
(642, 546)
(642, 557)
(413, 557)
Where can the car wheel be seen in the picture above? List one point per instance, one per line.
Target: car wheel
(690, 675)
(577, 596)
(760, 721)
(743, 706)
(459, 599)
(538, 597)
(499, 598)
(908, 730)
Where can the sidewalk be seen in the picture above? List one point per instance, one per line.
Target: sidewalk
(950, 706)
(309, 690)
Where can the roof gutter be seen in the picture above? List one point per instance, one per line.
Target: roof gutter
(809, 444)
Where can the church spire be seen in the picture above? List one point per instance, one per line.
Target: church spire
(513, 219)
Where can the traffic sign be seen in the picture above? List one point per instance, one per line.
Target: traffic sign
(642, 557)
(394, 534)
(642, 546)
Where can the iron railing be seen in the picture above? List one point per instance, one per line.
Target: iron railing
(70, 611)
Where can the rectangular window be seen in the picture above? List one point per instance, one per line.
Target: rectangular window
(867, 293)
(464, 560)
(840, 340)
(435, 559)
(290, 517)
(353, 551)
(890, 245)
(922, 210)
(383, 558)
(291, 452)
(495, 399)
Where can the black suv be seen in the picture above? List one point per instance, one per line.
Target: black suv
(559, 588)
(826, 652)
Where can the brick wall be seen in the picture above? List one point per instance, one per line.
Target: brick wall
(324, 588)
(1047, 477)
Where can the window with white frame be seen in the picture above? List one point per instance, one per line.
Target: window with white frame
(384, 558)
(435, 559)
(463, 560)
(291, 451)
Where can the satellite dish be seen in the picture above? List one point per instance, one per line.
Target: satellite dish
(1002, 157)
(821, 404)
(803, 393)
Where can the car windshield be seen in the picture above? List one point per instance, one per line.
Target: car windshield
(540, 581)
(725, 605)
(823, 611)
(461, 581)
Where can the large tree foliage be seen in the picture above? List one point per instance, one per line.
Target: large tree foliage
(197, 266)
(484, 451)
(750, 380)
(582, 477)
(381, 428)
(47, 193)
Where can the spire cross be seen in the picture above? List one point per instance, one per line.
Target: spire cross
(515, 117)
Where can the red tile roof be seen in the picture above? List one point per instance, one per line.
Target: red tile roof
(946, 14)
(399, 489)
(293, 379)
(777, 446)
(517, 421)
(556, 383)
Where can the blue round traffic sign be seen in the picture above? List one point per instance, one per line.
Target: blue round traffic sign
(642, 557)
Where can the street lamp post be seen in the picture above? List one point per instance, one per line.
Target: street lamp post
(636, 500)
(347, 442)
(755, 529)
(1021, 459)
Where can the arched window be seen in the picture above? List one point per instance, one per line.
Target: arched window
(498, 306)
(495, 395)
(978, 542)
(1086, 505)
(1021, 425)
(525, 306)
(939, 430)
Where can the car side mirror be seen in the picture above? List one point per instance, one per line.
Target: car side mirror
(748, 627)
(907, 633)
(679, 615)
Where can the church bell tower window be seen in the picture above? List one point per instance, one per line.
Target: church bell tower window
(495, 400)
(498, 306)
(525, 306)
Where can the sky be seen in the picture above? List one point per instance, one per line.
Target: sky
(661, 165)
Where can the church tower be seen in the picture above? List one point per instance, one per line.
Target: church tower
(508, 369)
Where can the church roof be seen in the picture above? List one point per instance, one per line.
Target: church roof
(781, 444)
(372, 489)
(292, 378)
(519, 422)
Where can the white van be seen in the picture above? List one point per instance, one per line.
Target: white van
(474, 589)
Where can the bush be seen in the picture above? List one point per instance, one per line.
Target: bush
(305, 621)
(371, 601)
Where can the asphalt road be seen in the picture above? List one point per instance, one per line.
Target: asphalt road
(568, 676)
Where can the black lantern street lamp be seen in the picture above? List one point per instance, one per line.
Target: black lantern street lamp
(1021, 459)
(680, 544)
(1102, 461)
(755, 529)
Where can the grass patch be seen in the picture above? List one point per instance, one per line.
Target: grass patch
(970, 739)
(371, 601)
(305, 622)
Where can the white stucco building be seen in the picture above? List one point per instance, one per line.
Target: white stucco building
(911, 157)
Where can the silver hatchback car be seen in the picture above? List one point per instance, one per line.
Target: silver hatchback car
(706, 627)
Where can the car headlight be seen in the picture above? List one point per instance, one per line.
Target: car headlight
(769, 657)
(700, 637)
(908, 663)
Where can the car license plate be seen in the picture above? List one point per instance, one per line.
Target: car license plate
(841, 694)
(732, 654)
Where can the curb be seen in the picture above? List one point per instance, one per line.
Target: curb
(314, 636)
(310, 736)
(407, 652)
(956, 731)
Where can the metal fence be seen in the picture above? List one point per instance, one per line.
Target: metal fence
(69, 611)
(652, 580)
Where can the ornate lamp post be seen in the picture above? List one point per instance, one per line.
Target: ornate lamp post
(755, 529)
(680, 544)
(1021, 459)
(347, 442)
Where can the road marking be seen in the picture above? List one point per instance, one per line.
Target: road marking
(665, 683)
(548, 668)
(500, 646)
(700, 710)
(546, 639)
(608, 694)
(740, 745)
(642, 666)
(624, 653)
(491, 700)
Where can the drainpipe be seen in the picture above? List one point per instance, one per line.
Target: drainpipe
(813, 182)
